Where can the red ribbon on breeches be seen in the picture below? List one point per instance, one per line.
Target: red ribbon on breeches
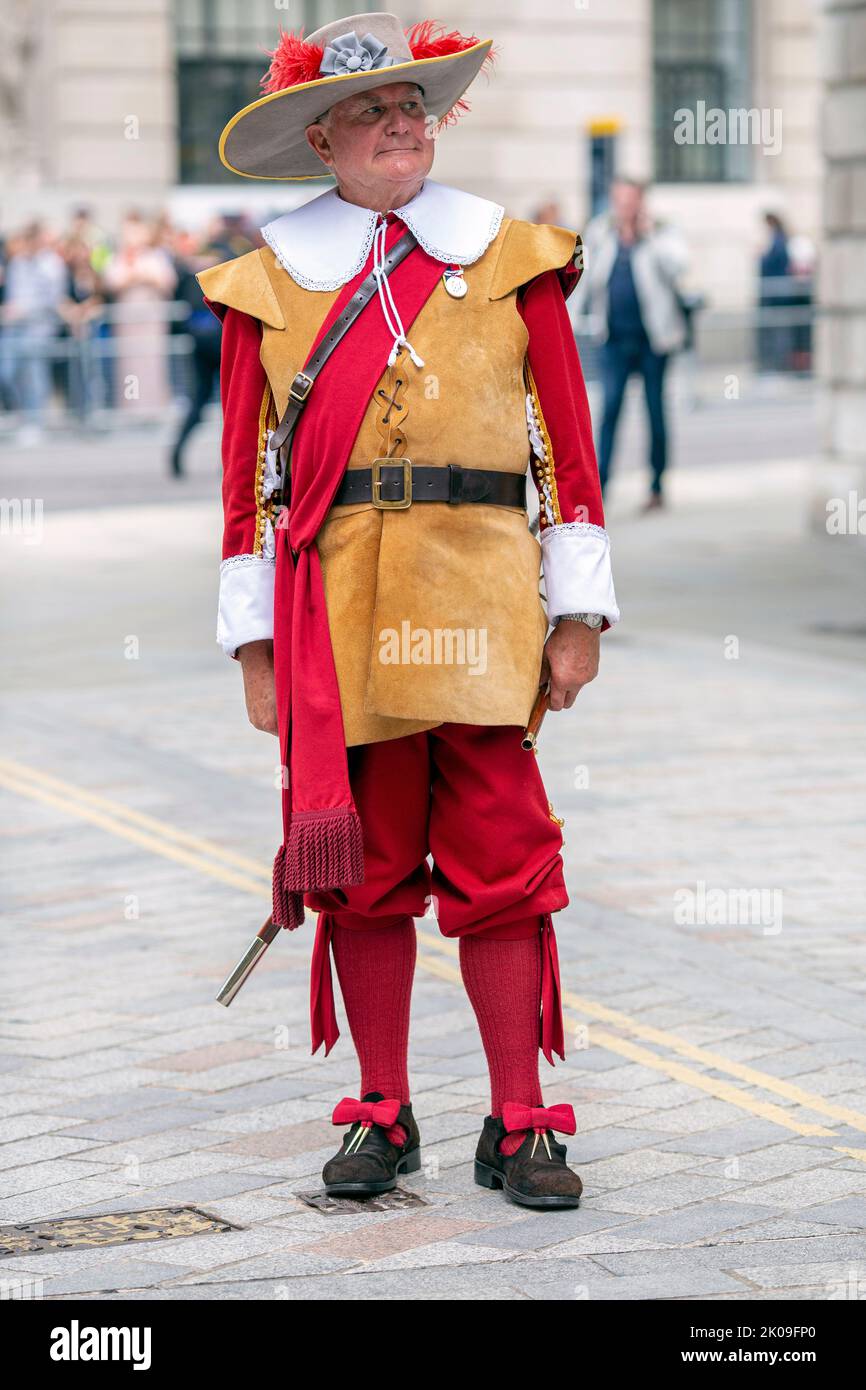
(552, 1032)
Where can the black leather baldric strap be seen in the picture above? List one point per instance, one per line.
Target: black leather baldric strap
(305, 380)
(450, 483)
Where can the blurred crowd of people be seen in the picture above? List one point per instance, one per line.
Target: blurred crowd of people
(91, 318)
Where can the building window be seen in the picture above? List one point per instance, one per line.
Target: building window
(222, 48)
(701, 65)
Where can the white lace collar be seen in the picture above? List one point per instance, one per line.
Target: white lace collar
(327, 241)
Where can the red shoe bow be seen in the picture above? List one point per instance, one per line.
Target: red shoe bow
(557, 1117)
(367, 1113)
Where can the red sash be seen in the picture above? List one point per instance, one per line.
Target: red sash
(322, 841)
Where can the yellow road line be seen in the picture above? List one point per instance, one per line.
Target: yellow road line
(751, 1075)
(84, 805)
(722, 1090)
(133, 817)
(138, 837)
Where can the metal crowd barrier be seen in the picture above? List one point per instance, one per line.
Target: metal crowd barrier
(774, 337)
(83, 360)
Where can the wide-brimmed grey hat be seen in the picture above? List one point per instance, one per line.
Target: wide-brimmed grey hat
(266, 139)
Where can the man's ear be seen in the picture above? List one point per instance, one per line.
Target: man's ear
(319, 143)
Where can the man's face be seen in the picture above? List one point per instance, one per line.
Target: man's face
(625, 201)
(377, 135)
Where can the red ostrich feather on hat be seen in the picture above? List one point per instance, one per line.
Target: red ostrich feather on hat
(295, 61)
(428, 39)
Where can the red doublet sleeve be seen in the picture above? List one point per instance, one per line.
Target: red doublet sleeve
(575, 545)
(247, 569)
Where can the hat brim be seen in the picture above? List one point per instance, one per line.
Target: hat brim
(266, 139)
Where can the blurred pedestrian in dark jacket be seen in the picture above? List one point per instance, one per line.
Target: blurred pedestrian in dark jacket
(774, 270)
(224, 241)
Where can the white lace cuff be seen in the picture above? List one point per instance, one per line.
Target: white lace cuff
(577, 574)
(246, 602)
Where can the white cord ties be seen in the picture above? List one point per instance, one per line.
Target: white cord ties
(386, 299)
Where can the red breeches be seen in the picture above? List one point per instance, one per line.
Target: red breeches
(472, 799)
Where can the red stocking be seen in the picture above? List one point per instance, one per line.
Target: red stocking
(375, 970)
(503, 982)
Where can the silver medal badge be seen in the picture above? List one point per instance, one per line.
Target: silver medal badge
(454, 282)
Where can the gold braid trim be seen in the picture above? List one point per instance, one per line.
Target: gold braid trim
(266, 422)
(545, 470)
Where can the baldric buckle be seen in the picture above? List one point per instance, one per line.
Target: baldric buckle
(301, 387)
(385, 504)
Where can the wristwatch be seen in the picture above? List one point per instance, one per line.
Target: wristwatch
(593, 620)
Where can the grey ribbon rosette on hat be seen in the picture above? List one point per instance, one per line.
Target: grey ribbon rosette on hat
(348, 54)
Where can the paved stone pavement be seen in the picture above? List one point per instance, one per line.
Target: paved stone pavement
(712, 782)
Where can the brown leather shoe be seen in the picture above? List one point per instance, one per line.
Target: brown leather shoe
(537, 1175)
(368, 1162)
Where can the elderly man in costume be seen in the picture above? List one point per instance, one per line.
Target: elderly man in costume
(394, 359)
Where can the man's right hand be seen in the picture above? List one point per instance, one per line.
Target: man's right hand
(257, 663)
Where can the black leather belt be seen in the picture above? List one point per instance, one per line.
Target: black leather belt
(394, 484)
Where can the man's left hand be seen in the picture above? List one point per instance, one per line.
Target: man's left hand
(569, 662)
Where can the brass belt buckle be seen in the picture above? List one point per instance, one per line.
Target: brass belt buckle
(301, 387)
(400, 503)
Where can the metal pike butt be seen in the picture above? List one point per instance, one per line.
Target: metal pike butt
(248, 961)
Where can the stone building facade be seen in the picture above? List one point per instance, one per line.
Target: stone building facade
(115, 104)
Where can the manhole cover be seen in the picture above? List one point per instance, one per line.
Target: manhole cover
(396, 1200)
(112, 1228)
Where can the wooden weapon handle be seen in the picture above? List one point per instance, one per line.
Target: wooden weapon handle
(539, 710)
